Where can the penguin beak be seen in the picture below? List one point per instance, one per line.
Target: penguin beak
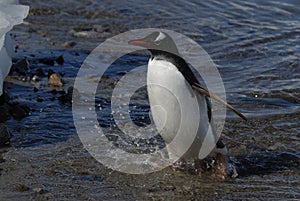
(139, 42)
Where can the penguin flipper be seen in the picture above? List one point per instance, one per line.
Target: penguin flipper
(217, 98)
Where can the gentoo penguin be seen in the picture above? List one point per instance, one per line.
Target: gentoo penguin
(179, 105)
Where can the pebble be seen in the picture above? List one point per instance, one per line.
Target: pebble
(35, 89)
(55, 80)
(60, 60)
(35, 78)
(69, 44)
(39, 99)
(39, 190)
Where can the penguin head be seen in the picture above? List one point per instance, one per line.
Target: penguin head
(157, 41)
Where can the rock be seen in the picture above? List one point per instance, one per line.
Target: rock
(4, 107)
(21, 188)
(19, 111)
(45, 196)
(9, 109)
(39, 190)
(60, 60)
(55, 80)
(68, 97)
(4, 98)
(35, 89)
(102, 28)
(21, 67)
(35, 78)
(40, 72)
(4, 113)
(73, 93)
(5, 135)
(54, 91)
(47, 61)
(50, 72)
(39, 99)
(69, 44)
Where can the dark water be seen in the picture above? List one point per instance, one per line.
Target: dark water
(255, 45)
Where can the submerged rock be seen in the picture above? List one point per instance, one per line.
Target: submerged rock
(19, 111)
(10, 110)
(5, 135)
(68, 97)
(60, 60)
(21, 67)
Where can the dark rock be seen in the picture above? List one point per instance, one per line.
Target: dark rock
(60, 60)
(4, 98)
(54, 91)
(74, 93)
(39, 190)
(71, 94)
(21, 67)
(4, 113)
(62, 92)
(4, 108)
(39, 99)
(5, 135)
(40, 72)
(50, 72)
(19, 111)
(35, 89)
(47, 61)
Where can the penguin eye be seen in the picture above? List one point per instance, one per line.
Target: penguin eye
(157, 42)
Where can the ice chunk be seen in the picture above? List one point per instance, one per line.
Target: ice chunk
(10, 14)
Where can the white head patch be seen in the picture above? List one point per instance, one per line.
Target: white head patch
(160, 37)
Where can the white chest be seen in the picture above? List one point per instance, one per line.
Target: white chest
(179, 113)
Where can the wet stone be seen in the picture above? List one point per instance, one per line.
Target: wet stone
(19, 111)
(35, 78)
(60, 60)
(69, 44)
(39, 190)
(39, 99)
(4, 112)
(55, 80)
(35, 89)
(5, 135)
(66, 98)
(21, 188)
(40, 72)
(47, 61)
(21, 67)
